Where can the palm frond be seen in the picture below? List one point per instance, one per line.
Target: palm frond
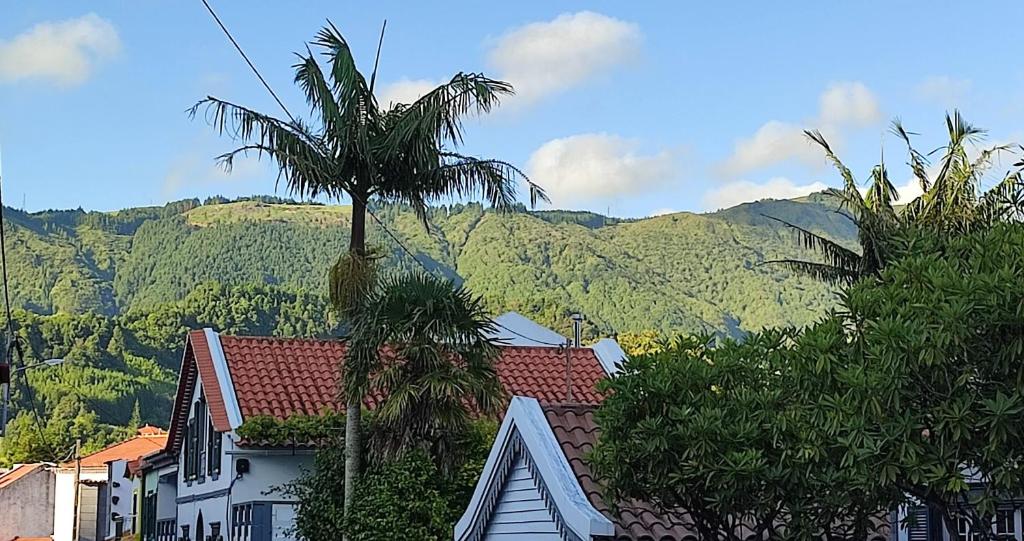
(833, 253)
(350, 88)
(822, 272)
(459, 176)
(852, 195)
(301, 156)
(918, 162)
(1004, 201)
(436, 117)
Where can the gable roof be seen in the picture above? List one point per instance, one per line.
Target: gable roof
(245, 376)
(569, 434)
(20, 471)
(574, 428)
(525, 433)
(133, 449)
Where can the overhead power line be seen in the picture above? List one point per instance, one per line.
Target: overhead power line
(376, 219)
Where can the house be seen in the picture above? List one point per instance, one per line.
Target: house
(927, 524)
(538, 486)
(123, 494)
(24, 490)
(223, 486)
(90, 505)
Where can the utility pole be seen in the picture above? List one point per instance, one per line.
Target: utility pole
(77, 517)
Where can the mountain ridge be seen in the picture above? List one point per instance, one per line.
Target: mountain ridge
(679, 272)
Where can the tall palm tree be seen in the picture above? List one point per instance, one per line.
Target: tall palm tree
(352, 147)
(952, 202)
(426, 343)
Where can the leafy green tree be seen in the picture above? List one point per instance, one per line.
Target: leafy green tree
(354, 148)
(425, 342)
(953, 202)
(912, 392)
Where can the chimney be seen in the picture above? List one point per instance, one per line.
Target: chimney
(577, 329)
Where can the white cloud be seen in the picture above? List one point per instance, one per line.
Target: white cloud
(545, 58)
(62, 52)
(849, 103)
(404, 91)
(594, 166)
(944, 90)
(772, 143)
(744, 191)
(662, 212)
(199, 170)
(840, 106)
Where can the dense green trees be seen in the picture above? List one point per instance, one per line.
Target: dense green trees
(114, 364)
(681, 272)
(912, 391)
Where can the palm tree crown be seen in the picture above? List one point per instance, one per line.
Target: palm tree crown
(426, 343)
(952, 202)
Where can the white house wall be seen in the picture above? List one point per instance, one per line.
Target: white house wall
(214, 497)
(123, 493)
(64, 499)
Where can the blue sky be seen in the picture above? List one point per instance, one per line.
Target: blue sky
(631, 108)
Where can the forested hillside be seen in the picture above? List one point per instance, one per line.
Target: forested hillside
(115, 292)
(680, 272)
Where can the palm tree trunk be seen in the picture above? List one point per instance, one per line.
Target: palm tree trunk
(353, 406)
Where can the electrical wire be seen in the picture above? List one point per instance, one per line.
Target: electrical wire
(13, 343)
(355, 197)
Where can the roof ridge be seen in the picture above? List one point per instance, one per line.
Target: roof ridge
(283, 338)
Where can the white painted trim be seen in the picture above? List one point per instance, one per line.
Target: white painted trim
(227, 387)
(525, 417)
(610, 355)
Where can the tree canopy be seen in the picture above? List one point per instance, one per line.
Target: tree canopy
(911, 392)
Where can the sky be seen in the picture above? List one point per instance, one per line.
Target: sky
(626, 108)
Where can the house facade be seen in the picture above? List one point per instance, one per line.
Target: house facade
(224, 487)
(26, 489)
(85, 491)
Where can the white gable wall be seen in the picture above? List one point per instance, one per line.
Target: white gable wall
(520, 513)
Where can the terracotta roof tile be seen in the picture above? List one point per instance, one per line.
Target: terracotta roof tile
(282, 377)
(18, 472)
(576, 432)
(132, 449)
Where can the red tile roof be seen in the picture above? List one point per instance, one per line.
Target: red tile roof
(287, 376)
(577, 433)
(18, 472)
(283, 376)
(132, 449)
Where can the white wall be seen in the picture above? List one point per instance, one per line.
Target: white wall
(115, 473)
(64, 499)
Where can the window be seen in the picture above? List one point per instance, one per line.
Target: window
(213, 450)
(184, 533)
(963, 527)
(1005, 524)
(241, 522)
(135, 511)
(200, 466)
(214, 531)
(165, 530)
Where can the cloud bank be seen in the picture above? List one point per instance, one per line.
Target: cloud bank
(64, 53)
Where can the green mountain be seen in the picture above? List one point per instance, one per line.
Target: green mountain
(115, 292)
(682, 272)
